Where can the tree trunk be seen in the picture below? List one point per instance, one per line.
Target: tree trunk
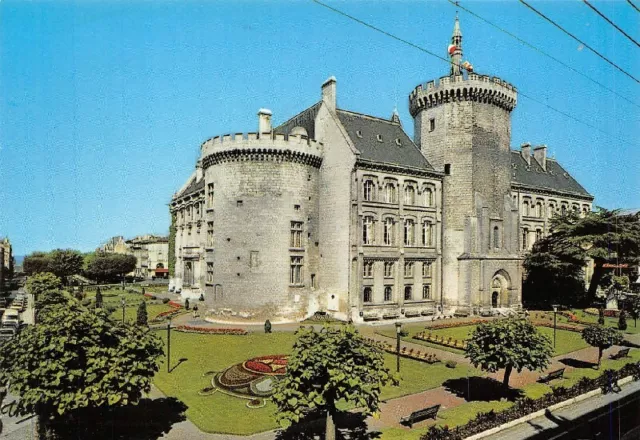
(598, 271)
(599, 357)
(122, 281)
(330, 429)
(507, 374)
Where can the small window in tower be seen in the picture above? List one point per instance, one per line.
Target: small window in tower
(447, 168)
(379, 137)
(296, 207)
(432, 124)
(239, 203)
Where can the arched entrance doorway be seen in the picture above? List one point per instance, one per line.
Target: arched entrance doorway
(500, 289)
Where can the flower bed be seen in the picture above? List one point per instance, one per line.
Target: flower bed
(409, 353)
(150, 295)
(211, 330)
(485, 421)
(440, 340)
(175, 304)
(569, 327)
(456, 324)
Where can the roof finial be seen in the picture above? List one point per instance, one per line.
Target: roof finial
(455, 48)
(395, 117)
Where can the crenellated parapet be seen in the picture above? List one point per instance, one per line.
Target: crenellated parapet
(478, 88)
(261, 147)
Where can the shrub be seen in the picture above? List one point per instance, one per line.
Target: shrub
(601, 338)
(622, 320)
(601, 316)
(451, 364)
(404, 332)
(165, 300)
(86, 302)
(110, 309)
(201, 297)
(186, 303)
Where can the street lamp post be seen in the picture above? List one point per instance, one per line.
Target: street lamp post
(398, 329)
(169, 346)
(555, 311)
(124, 304)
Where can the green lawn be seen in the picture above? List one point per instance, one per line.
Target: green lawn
(221, 413)
(131, 313)
(608, 322)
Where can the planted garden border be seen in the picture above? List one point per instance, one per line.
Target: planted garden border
(411, 353)
(211, 330)
(440, 340)
(485, 421)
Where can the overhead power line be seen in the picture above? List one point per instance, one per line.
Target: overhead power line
(632, 5)
(611, 22)
(580, 41)
(537, 49)
(427, 51)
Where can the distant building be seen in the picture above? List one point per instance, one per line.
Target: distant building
(151, 252)
(7, 258)
(152, 256)
(343, 212)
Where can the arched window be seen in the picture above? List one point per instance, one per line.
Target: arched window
(388, 231)
(539, 209)
(525, 208)
(409, 195)
(427, 233)
(563, 209)
(538, 234)
(428, 197)
(367, 297)
(408, 293)
(368, 190)
(409, 233)
(388, 293)
(496, 237)
(552, 210)
(426, 292)
(367, 269)
(390, 193)
(367, 230)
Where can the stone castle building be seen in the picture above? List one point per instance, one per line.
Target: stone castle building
(343, 212)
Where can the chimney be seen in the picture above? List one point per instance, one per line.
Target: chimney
(525, 152)
(264, 121)
(329, 93)
(540, 154)
(198, 170)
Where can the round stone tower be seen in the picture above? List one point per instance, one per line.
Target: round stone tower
(264, 223)
(463, 126)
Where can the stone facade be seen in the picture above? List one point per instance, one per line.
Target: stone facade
(342, 212)
(152, 256)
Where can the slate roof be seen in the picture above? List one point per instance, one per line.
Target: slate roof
(394, 146)
(193, 187)
(386, 151)
(555, 178)
(306, 119)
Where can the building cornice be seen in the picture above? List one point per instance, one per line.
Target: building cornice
(551, 192)
(369, 165)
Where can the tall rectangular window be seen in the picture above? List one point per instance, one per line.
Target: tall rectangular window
(408, 293)
(408, 269)
(210, 234)
(296, 235)
(525, 238)
(368, 190)
(367, 295)
(390, 193)
(210, 195)
(209, 272)
(426, 269)
(427, 234)
(409, 232)
(388, 269)
(388, 293)
(296, 271)
(428, 197)
(367, 269)
(388, 231)
(432, 124)
(426, 291)
(367, 230)
(409, 195)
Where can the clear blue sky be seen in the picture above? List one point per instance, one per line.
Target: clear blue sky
(104, 104)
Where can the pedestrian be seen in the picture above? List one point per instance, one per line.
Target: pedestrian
(267, 326)
(195, 311)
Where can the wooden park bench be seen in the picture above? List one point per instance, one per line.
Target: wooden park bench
(422, 414)
(556, 374)
(623, 353)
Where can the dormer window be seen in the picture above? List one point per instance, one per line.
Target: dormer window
(398, 142)
(379, 137)
(359, 134)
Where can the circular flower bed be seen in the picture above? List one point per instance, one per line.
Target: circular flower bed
(271, 365)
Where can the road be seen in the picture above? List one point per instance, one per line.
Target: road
(611, 416)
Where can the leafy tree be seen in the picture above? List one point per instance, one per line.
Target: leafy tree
(74, 362)
(142, 314)
(102, 267)
(99, 300)
(42, 282)
(36, 262)
(510, 344)
(124, 264)
(601, 337)
(334, 364)
(622, 320)
(554, 268)
(65, 262)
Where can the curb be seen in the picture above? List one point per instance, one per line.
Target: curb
(542, 412)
